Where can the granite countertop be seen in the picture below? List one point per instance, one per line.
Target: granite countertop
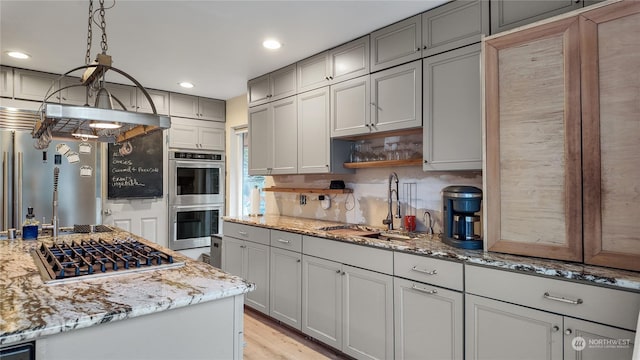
(30, 309)
(431, 245)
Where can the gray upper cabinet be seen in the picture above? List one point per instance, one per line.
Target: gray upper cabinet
(507, 14)
(344, 62)
(396, 44)
(6, 81)
(133, 99)
(453, 25)
(313, 131)
(313, 72)
(452, 105)
(195, 107)
(396, 96)
(273, 86)
(161, 101)
(349, 60)
(260, 152)
(350, 107)
(34, 85)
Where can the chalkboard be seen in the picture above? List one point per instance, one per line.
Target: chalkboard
(136, 173)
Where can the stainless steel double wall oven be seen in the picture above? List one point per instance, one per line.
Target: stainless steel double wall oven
(196, 198)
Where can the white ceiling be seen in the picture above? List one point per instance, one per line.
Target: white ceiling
(214, 44)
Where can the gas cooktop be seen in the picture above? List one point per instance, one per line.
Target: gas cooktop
(90, 258)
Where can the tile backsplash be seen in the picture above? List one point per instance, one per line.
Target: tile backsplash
(368, 202)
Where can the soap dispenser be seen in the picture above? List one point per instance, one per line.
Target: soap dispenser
(30, 226)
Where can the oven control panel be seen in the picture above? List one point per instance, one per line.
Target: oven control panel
(196, 156)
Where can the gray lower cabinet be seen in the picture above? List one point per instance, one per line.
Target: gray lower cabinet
(348, 308)
(250, 261)
(429, 321)
(499, 330)
(452, 105)
(285, 286)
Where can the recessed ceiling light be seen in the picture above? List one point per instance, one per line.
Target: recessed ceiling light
(18, 55)
(271, 44)
(186, 84)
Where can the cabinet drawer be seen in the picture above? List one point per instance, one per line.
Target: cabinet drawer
(428, 270)
(247, 232)
(600, 304)
(286, 240)
(351, 254)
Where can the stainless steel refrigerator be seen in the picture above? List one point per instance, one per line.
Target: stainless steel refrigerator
(28, 180)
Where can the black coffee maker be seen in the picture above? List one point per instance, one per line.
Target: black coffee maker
(459, 207)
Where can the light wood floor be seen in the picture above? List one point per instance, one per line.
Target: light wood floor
(266, 340)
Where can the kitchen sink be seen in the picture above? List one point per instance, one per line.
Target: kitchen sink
(389, 236)
(364, 231)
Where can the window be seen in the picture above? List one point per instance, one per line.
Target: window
(241, 182)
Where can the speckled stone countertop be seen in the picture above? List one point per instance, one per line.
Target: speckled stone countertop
(430, 245)
(30, 309)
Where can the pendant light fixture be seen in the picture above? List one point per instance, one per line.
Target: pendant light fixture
(106, 118)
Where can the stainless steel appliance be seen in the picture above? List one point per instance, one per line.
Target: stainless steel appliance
(96, 257)
(460, 205)
(28, 180)
(215, 258)
(196, 198)
(196, 178)
(193, 225)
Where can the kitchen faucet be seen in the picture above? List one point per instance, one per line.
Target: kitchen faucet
(54, 219)
(389, 220)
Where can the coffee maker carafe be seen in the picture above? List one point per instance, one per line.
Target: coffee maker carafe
(459, 207)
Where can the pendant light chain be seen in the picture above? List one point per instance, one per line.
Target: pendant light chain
(103, 27)
(87, 58)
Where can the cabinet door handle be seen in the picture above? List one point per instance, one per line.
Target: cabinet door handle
(243, 233)
(330, 77)
(326, 78)
(343, 273)
(424, 47)
(243, 246)
(432, 272)
(417, 49)
(298, 260)
(337, 271)
(568, 332)
(555, 328)
(562, 299)
(434, 291)
(284, 241)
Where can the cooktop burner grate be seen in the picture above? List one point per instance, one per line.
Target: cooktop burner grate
(92, 258)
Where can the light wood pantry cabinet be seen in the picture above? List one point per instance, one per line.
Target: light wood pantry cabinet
(396, 44)
(533, 170)
(6, 81)
(452, 106)
(453, 25)
(560, 132)
(273, 86)
(610, 53)
(245, 253)
(196, 134)
(196, 107)
(384, 101)
(341, 63)
(545, 316)
(273, 138)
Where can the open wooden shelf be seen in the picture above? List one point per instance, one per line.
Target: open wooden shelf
(382, 163)
(309, 190)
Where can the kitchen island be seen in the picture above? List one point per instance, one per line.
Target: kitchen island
(192, 311)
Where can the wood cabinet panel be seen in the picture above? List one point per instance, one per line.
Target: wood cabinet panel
(533, 142)
(611, 53)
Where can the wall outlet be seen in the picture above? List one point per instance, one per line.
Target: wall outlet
(321, 197)
(303, 199)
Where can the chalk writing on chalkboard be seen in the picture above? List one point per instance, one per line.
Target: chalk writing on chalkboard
(135, 168)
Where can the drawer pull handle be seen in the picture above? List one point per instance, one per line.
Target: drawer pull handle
(434, 291)
(284, 241)
(432, 272)
(561, 299)
(243, 233)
